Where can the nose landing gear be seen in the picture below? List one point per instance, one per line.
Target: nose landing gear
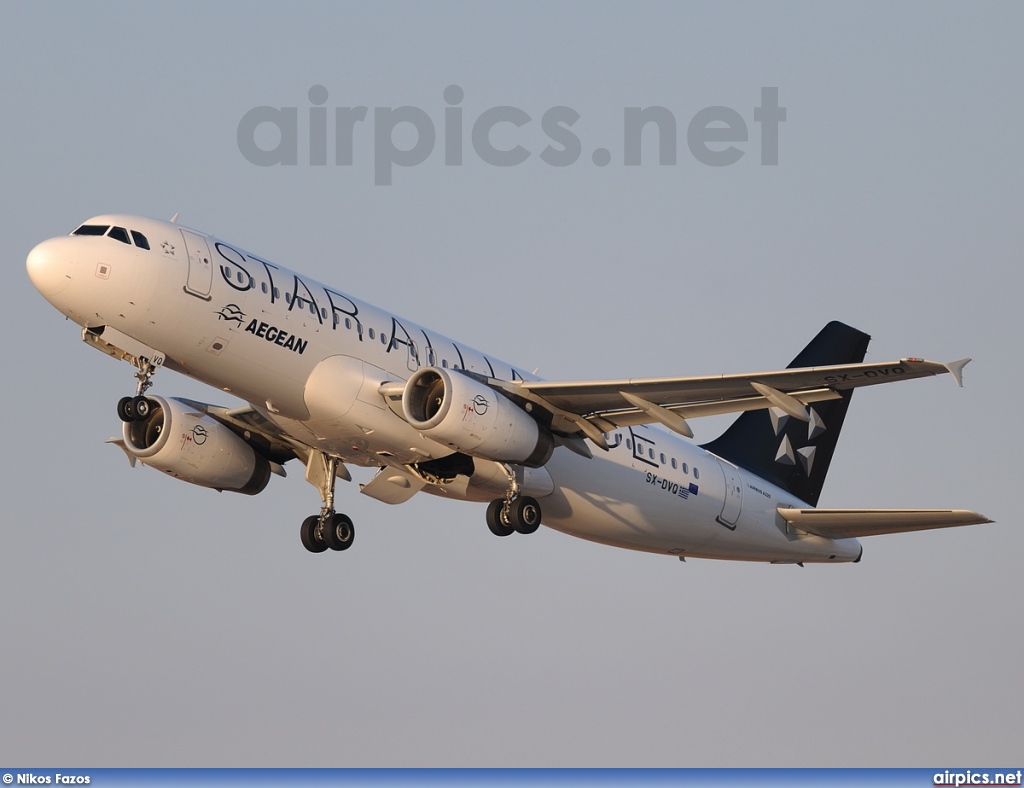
(134, 408)
(138, 408)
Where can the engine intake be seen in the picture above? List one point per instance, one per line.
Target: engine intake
(195, 448)
(473, 418)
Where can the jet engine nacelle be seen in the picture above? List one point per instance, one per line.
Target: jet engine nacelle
(195, 448)
(473, 418)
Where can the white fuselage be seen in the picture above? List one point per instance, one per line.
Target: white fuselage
(311, 360)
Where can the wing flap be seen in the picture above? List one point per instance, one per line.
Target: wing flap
(596, 406)
(847, 523)
(277, 445)
(634, 416)
(594, 397)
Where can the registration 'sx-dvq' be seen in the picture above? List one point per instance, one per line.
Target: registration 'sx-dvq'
(333, 381)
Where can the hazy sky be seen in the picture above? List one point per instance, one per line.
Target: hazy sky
(152, 623)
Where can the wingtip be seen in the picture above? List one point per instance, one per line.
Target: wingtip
(119, 442)
(956, 369)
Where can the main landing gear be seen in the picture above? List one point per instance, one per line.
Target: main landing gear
(329, 530)
(138, 408)
(520, 516)
(335, 533)
(514, 513)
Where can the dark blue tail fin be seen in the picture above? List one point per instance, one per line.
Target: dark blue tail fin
(787, 452)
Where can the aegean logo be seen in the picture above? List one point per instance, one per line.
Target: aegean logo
(269, 136)
(232, 313)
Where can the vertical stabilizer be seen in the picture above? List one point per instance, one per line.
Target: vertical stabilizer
(785, 451)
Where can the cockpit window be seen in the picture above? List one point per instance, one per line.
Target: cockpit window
(92, 229)
(119, 234)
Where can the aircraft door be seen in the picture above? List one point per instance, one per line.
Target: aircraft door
(733, 496)
(200, 266)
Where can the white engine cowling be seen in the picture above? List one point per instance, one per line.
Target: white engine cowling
(473, 418)
(195, 448)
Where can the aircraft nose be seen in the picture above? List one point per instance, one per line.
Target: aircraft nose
(51, 264)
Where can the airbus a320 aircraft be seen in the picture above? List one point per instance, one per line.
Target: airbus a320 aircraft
(333, 381)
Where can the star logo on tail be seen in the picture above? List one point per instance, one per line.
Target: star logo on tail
(787, 454)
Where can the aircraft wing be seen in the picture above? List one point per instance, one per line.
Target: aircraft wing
(595, 407)
(247, 422)
(845, 523)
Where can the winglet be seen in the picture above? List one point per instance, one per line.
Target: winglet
(121, 445)
(956, 369)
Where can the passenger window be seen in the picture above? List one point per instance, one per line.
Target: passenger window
(277, 293)
(383, 339)
(312, 309)
(348, 324)
(119, 234)
(288, 298)
(662, 459)
(140, 240)
(264, 288)
(651, 453)
(323, 312)
(444, 363)
(696, 474)
(674, 464)
(686, 468)
(371, 333)
(629, 444)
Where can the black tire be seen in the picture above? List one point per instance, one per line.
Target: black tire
(339, 532)
(495, 521)
(307, 532)
(125, 410)
(525, 515)
(142, 407)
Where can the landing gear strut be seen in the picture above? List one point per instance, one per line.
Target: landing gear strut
(138, 408)
(514, 513)
(330, 529)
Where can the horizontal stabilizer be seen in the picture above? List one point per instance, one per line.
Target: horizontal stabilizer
(847, 523)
